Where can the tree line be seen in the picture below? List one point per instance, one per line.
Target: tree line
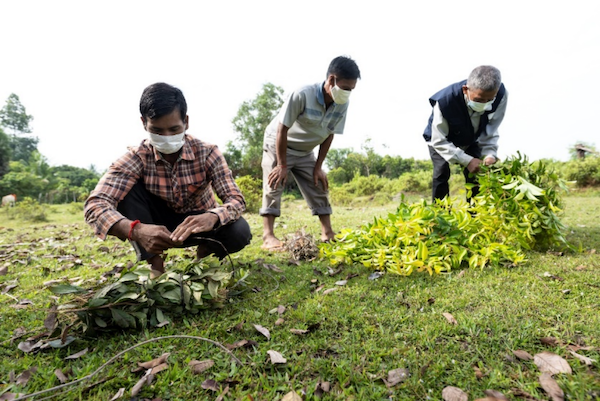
(25, 171)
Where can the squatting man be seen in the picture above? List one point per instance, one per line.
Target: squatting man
(160, 194)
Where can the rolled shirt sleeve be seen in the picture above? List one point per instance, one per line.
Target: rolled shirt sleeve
(101, 206)
(224, 185)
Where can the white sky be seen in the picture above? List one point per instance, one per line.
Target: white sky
(79, 67)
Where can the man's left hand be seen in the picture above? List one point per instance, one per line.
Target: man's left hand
(489, 160)
(199, 223)
(320, 176)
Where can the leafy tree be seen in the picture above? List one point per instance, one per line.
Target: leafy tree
(21, 181)
(244, 155)
(4, 153)
(75, 175)
(15, 119)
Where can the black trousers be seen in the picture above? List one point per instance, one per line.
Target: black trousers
(441, 173)
(139, 204)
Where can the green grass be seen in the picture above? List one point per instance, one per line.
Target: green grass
(365, 328)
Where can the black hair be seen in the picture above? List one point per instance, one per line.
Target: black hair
(160, 99)
(343, 67)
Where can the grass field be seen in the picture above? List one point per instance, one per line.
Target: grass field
(357, 333)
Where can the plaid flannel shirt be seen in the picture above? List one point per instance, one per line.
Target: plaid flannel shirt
(187, 186)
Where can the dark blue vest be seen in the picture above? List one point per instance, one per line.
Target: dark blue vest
(454, 109)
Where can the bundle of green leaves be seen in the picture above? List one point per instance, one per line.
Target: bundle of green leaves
(516, 209)
(135, 300)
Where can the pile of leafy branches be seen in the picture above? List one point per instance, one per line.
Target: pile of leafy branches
(136, 300)
(516, 209)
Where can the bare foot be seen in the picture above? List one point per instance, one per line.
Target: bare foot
(270, 242)
(328, 236)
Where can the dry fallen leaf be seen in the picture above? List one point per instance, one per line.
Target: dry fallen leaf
(495, 394)
(61, 376)
(119, 394)
(159, 368)
(341, 282)
(330, 290)
(235, 345)
(549, 362)
(24, 377)
(551, 387)
(449, 318)
(291, 396)
(201, 366)
(551, 341)
(276, 357)
(154, 362)
(478, 373)
(146, 379)
(10, 396)
(523, 355)
(210, 384)
(77, 354)
(396, 376)
(279, 322)
(322, 388)
(280, 309)
(299, 331)
(582, 358)
(451, 393)
(263, 330)
(3, 270)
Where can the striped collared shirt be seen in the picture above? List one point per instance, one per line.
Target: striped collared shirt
(187, 186)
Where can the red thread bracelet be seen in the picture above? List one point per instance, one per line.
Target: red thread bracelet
(133, 224)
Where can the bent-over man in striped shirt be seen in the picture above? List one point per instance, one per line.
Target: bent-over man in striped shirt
(160, 194)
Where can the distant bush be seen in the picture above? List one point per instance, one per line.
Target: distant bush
(76, 207)
(418, 181)
(252, 190)
(585, 172)
(28, 209)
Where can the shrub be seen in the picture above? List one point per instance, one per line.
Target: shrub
(517, 209)
(252, 190)
(585, 172)
(28, 209)
(418, 181)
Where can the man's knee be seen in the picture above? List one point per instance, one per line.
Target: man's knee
(234, 237)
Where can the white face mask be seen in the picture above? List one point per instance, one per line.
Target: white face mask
(339, 95)
(167, 144)
(480, 107)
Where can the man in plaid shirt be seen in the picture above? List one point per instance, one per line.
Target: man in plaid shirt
(160, 194)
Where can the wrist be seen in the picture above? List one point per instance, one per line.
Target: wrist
(132, 225)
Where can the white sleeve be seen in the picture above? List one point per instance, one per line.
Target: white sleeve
(488, 141)
(440, 143)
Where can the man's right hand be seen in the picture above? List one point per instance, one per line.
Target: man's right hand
(277, 176)
(153, 238)
(473, 165)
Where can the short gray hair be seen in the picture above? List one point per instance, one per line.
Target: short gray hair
(485, 77)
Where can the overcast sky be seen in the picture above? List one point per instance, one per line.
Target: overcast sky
(79, 67)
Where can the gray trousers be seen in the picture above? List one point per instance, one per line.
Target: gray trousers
(301, 168)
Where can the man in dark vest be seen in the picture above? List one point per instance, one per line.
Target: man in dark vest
(463, 127)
